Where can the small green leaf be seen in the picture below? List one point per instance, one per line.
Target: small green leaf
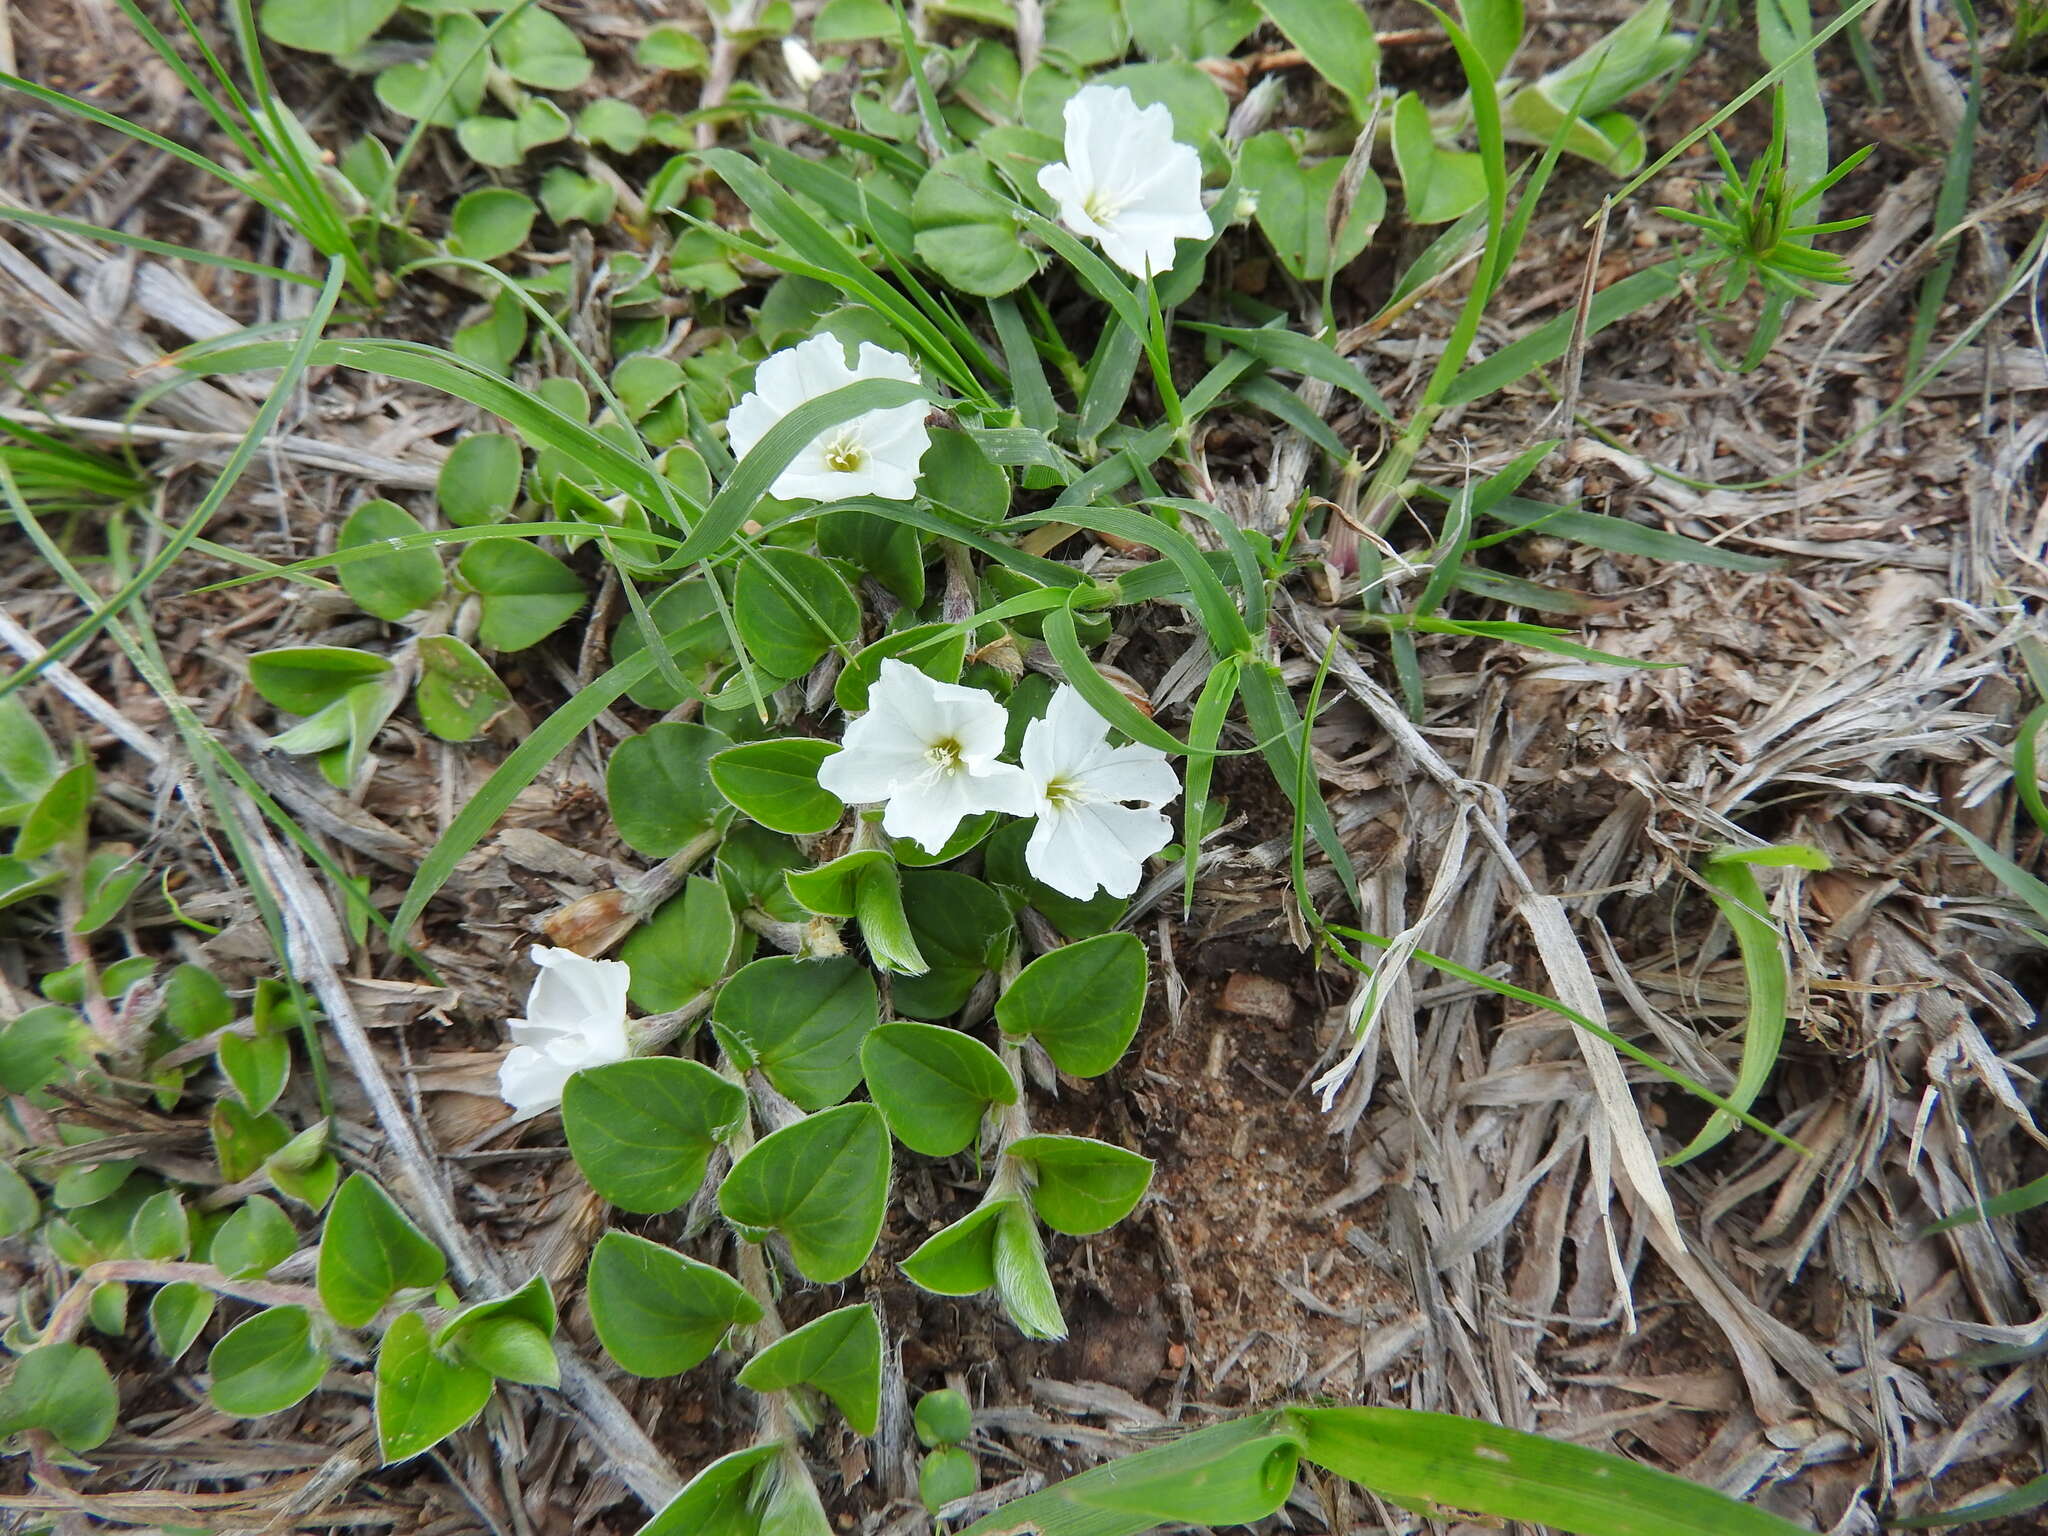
(178, 1313)
(891, 552)
(933, 1084)
(721, 1500)
(688, 615)
(642, 1131)
(668, 46)
(619, 126)
(510, 1349)
(853, 21)
(1190, 29)
(1082, 1003)
(257, 1068)
(111, 874)
(241, 1140)
(943, 1417)
(62, 1388)
(266, 1363)
(963, 930)
(458, 694)
(570, 197)
(33, 1047)
(801, 1022)
(422, 1399)
(479, 480)
(320, 26)
(658, 1312)
(776, 784)
(505, 141)
(254, 1240)
(305, 679)
(369, 1251)
(446, 87)
(484, 225)
(960, 1260)
(196, 1003)
(58, 817)
(1081, 1186)
(684, 949)
(968, 227)
(947, 1474)
(840, 1354)
(960, 477)
(1293, 213)
(920, 645)
(823, 1183)
(527, 593)
(1079, 33)
(660, 786)
(160, 1228)
(28, 763)
(1337, 38)
(791, 608)
(535, 48)
(19, 1208)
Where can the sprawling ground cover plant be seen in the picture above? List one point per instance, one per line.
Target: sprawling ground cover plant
(888, 755)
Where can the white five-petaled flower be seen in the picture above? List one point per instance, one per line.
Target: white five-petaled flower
(576, 1018)
(1126, 181)
(1087, 837)
(872, 455)
(927, 750)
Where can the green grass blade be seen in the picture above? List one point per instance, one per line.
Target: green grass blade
(1550, 341)
(152, 247)
(1617, 535)
(1443, 1461)
(2029, 1495)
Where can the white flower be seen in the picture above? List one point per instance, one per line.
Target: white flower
(576, 1017)
(872, 455)
(1126, 181)
(928, 749)
(804, 69)
(1087, 837)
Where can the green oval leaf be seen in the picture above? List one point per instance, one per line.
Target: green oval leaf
(960, 1260)
(962, 928)
(254, 1240)
(642, 1131)
(369, 1251)
(720, 1500)
(62, 1388)
(823, 1183)
(266, 1363)
(1081, 1186)
(791, 608)
(658, 1312)
(840, 1354)
(660, 788)
(177, 1314)
(479, 480)
(1082, 1003)
(397, 582)
(305, 679)
(776, 784)
(684, 948)
(801, 1022)
(422, 1399)
(488, 223)
(933, 1084)
(527, 593)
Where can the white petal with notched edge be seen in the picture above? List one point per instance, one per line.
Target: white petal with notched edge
(1087, 838)
(872, 455)
(1127, 183)
(926, 752)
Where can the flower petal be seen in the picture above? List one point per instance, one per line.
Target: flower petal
(530, 1081)
(867, 777)
(1085, 848)
(1134, 772)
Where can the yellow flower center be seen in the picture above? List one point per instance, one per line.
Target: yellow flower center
(944, 755)
(1101, 207)
(1061, 795)
(846, 456)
